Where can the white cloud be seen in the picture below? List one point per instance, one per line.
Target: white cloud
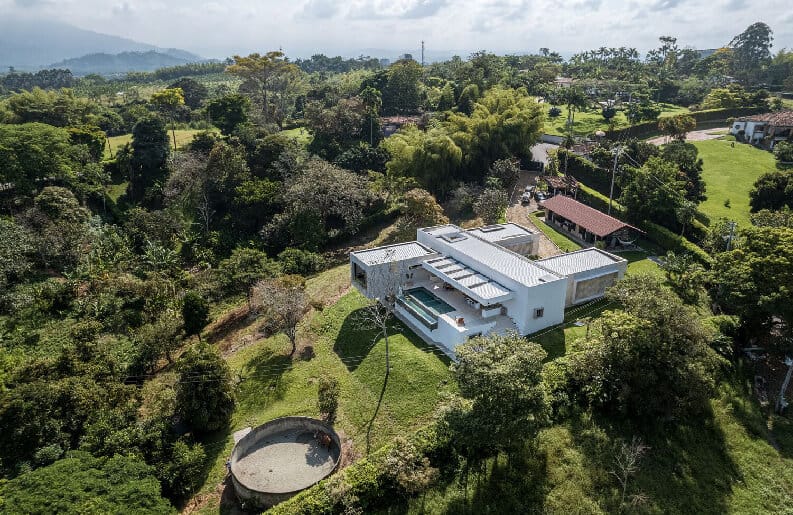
(220, 27)
(320, 9)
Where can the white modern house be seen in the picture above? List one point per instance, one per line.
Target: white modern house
(453, 284)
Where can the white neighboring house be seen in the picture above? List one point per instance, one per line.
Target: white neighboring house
(453, 284)
(768, 128)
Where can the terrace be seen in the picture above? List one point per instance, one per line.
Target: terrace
(436, 308)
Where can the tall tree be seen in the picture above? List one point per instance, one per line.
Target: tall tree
(401, 94)
(754, 280)
(752, 52)
(204, 393)
(274, 78)
(194, 92)
(686, 157)
(653, 344)
(228, 112)
(148, 165)
(31, 152)
(502, 400)
(168, 101)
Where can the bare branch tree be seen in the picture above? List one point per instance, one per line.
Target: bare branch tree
(282, 304)
(378, 314)
(626, 463)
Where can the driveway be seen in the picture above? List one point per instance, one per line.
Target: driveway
(701, 135)
(519, 213)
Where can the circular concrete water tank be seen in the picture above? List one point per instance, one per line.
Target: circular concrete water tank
(282, 457)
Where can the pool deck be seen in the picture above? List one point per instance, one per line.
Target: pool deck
(472, 316)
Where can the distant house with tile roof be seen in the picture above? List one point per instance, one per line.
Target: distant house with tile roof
(764, 129)
(453, 284)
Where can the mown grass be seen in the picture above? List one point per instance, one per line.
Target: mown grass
(729, 173)
(183, 137)
(333, 344)
(562, 241)
(592, 120)
(300, 134)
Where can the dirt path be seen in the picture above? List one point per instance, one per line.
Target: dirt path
(700, 135)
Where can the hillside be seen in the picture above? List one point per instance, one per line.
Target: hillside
(30, 44)
(112, 64)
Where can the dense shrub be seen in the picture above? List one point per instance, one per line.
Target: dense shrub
(671, 241)
(712, 115)
(328, 396)
(301, 262)
(195, 313)
(82, 483)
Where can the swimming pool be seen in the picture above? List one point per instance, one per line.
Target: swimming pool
(425, 305)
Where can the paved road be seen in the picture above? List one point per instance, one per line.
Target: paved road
(701, 135)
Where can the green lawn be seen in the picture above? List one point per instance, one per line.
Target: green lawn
(301, 134)
(729, 174)
(276, 386)
(592, 120)
(183, 137)
(561, 241)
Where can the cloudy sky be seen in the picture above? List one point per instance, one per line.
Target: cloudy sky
(302, 27)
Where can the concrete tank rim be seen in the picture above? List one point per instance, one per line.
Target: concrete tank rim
(254, 432)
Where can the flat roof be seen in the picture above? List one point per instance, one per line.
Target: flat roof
(469, 280)
(589, 218)
(500, 232)
(580, 261)
(514, 266)
(392, 253)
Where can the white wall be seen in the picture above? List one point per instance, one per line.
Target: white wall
(550, 296)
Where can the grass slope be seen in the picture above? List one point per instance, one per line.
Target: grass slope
(560, 240)
(720, 463)
(276, 386)
(729, 173)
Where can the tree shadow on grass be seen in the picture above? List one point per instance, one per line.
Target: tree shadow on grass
(355, 340)
(262, 380)
(687, 468)
(554, 343)
(502, 485)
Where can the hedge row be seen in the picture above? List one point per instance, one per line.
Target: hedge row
(369, 480)
(671, 241)
(711, 115)
(586, 171)
(591, 197)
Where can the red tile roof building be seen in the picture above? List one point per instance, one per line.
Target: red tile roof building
(585, 223)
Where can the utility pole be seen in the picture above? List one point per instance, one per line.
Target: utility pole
(617, 152)
(781, 403)
(732, 234)
(422, 53)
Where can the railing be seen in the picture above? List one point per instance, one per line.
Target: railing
(426, 322)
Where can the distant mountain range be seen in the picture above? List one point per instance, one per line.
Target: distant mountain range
(114, 64)
(31, 45)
